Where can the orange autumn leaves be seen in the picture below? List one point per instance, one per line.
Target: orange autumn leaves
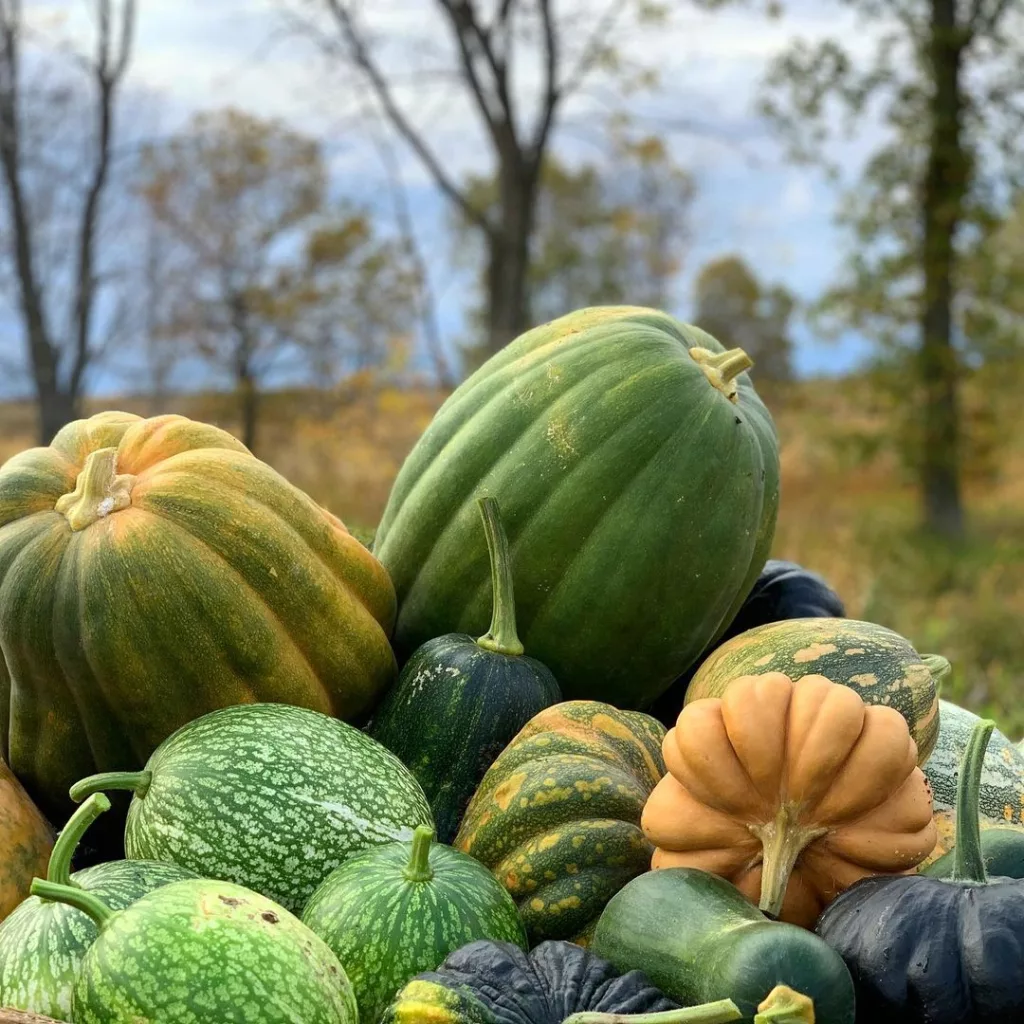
(792, 791)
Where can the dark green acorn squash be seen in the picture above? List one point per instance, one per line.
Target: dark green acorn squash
(638, 476)
(269, 796)
(42, 943)
(784, 590)
(880, 665)
(928, 950)
(557, 983)
(699, 939)
(1002, 852)
(459, 701)
(557, 816)
(395, 910)
(201, 950)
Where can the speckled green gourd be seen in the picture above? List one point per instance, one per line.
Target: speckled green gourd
(199, 951)
(882, 666)
(42, 943)
(396, 910)
(266, 795)
(1001, 795)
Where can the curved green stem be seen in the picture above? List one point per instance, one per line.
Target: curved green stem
(502, 636)
(719, 1012)
(418, 869)
(968, 862)
(784, 1005)
(137, 782)
(59, 869)
(938, 666)
(81, 899)
(99, 490)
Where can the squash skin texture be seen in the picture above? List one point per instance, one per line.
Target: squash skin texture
(497, 983)
(26, 841)
(557, 816)
(699, 939)
(880, 665)
(603, 420)
(218, 583)
(792, 791)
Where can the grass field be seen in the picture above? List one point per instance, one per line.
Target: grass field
(848, 508)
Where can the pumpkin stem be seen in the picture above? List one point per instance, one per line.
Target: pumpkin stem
(59, 869)
(502, 636)
(418, 869)
(74, 896)
(782, 842)
(137, 782)
(968, 862)
(719, 1012)
(99, 490)
(938, 666)
(722, 368)
(784, 1005)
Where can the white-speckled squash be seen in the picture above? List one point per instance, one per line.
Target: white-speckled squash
(1001, 798)
(269, 796)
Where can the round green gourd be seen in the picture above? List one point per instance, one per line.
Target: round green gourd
(880, 665)
(42, 943)
(199, 951)
(557, 816)
(698, 938)
(266, 795)
(459, 701)
(638, 475)
(396, 910)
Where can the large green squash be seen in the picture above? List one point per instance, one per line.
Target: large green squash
(395, 910)
(557, 816)
(880, 665)
(152, 570)
(637, 473)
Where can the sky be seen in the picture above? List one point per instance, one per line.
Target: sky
(195, 55)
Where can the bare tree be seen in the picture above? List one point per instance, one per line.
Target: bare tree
(491, 41)
(58, 311)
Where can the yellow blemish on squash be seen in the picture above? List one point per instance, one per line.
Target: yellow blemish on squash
(1008, 813)
(560, 437)
(599, 847)
(565, 903)
(611, 727)
(813, 653)
(530, 884)
(865, 679)
(549, 781)
(1005, 755)
(550, 875)
(595, 786)
(546, 842)
(509, 789)
(854, 650)
(766, 660)
(572, 869)
(546, 796)
(577, 842)
(536, 904)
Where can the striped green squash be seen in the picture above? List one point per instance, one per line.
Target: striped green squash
(1001, 798)
(269, 796)
(396, 910)
(42, 943)
(557, 816)
(880, 665)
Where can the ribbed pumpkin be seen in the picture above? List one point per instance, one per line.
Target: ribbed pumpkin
(25, 841)
(880, 665)
(557, 816)
(790, 790)
(637, 473)
(152, 570)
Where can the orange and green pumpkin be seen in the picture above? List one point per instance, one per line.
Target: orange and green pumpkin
(25, 842)
(153, 570)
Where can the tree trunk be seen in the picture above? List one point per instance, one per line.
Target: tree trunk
(945, 186)
(57, 407)
(249, 399)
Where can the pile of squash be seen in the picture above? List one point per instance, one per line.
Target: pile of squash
(562, 745)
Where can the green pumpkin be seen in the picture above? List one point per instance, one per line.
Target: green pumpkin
(699, 939)
(458, 700)
(268, 796)
(396, 910)
(1002, 852)
(203, 950)
(880, 665)
(557, 816)
(42, 943)
(638, 476)
(152, 570)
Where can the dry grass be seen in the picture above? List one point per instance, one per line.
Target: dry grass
(849, 508)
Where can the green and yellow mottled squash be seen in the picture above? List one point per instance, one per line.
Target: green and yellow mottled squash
(557, 816)
(25, 841)
(1001, 795)
(880, 665)
(152, 570)
(637, 472)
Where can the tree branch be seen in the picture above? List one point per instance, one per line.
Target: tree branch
(592, 47)
(361, 55)
(551, 90)
(981, 23)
